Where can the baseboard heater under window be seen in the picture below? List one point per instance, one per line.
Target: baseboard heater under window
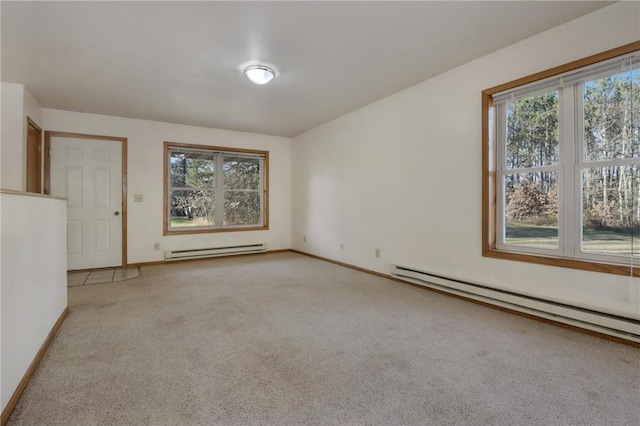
(602, 322)
(170, 255)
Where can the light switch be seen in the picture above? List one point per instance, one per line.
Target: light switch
(137, 198)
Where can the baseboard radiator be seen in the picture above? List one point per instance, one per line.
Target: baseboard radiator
(200, 253)
(602, 322)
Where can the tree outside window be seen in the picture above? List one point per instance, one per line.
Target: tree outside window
(212, 189)
(562, 165)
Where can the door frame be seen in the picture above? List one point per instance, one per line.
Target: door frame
(29, 168)
(48, 134)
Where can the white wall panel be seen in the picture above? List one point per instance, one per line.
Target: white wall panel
(102, 231)
(12, 155)
(34, 280)
(17, 105)
(103, 187)
(74, 237)
(102, 155)
(73, 153)
(74, 187)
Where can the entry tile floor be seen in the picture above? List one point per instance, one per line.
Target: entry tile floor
(101, 276)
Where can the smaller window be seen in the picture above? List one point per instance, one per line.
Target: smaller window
(213, 189)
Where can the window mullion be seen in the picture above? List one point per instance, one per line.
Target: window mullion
(609, 163)
(263, 190)
(531, 169)
(219, 193)
(578, 98)
(568, 137)
(501, 136)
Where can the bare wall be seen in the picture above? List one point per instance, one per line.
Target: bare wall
(17, 105)
(404, 174)
(11, 150)
(33, 280)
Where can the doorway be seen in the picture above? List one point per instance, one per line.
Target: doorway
(90, 171)
(34, 157)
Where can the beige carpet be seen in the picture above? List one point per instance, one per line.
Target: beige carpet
(283, 339)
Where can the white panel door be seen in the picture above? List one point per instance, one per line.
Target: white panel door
(88, 173)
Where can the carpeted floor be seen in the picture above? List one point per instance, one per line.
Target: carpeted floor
(284, 339)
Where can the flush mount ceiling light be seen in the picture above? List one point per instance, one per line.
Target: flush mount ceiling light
(259, 74)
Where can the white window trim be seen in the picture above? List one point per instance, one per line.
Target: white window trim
(571, 159)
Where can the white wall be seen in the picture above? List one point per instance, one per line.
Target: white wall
(404, 174)
(33, 280)
(32, 109)
(17, 104)
(11, 144)
(145, 168)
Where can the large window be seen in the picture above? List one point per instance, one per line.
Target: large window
(562, 165)
(210, 189)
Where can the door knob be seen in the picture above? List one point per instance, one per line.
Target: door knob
(116, 213)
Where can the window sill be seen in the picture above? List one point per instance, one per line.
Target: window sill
(213, 230)
(563, 262)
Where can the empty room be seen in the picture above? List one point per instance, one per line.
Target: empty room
(320, 213)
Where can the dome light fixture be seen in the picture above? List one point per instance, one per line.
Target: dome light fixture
(259, 74)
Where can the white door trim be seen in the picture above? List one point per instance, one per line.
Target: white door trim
(48, 134)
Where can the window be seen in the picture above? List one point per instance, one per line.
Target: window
(561, 183)
(212, 189)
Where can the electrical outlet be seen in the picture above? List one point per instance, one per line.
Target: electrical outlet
(341, 246)
(156, 246)
(378, 253)
(137, 198)
(304, 239)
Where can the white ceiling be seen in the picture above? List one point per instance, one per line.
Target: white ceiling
(180, 62)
